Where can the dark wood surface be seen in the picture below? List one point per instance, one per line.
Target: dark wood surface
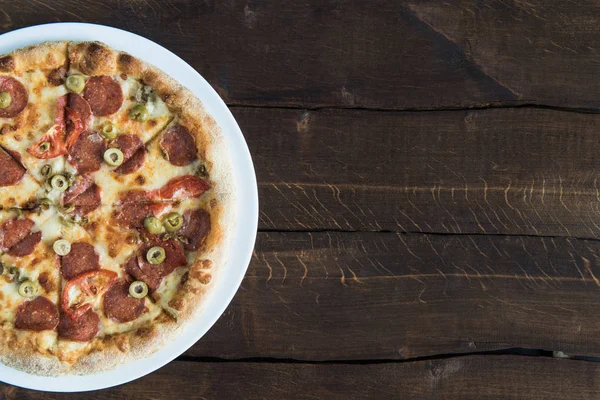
(430, 206)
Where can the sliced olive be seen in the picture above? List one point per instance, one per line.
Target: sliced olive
(59, 182)
(67, 208)
(109, 131)
(139, 113)
(5, 99)
(153, 225)
(27, 289)
(13, 273)
(113, 157)
(44, 147)
(75, 83)
(62, 247)
(173, 222)
(156, 255)
(65, 222)
(46, 170)
(138, 289)
(17, 211)
(45, 203)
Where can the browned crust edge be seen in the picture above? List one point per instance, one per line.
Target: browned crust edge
(44, 56)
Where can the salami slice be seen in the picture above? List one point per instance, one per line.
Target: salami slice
(87, 152)
(18, 95)
(153, 274)
(134, 153)
(11, 172)
(134, 207)
(82, 329)
(121, 307)
(26, 246)
(195, 229)
(179, 146)
(82, 258)
(39, 314)
(84, 194)
(103, 94)
(80, 105)
(14, 231)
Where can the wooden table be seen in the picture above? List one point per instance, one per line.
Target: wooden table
(430, 206)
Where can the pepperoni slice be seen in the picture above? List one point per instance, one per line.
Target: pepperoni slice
(14, 231)
(121, 307)
(182, 187)
(153, 274)
(26, 246)
(179, 146)
(195, 228)
(134, 153)
(134, 207)
(103, 94)
(87, 152)
(82, 258)
(80, 105)
(18, 94)
(84, 194)
(82, 329)
(11, 172)
(39, 314)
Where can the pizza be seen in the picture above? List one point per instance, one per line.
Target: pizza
(116, 207)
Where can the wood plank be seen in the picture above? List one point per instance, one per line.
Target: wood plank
(361, 296)
(473, 377)
(510, 171)
(375, 54)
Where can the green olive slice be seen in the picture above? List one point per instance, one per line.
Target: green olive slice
(18, 211)
(139, 113)
(59, 182)
(173, 222)
(67, 208)
(13, 274)
(28, 289)
(45, 203)
(46, 170)
(75, 83)
(109, 131)
(156, 255)
(5, 99)
(62, 247)
(153, 225)
(113, 157)
(138, 289)
(44, 147)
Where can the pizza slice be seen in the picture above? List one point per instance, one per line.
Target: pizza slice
(29, 284)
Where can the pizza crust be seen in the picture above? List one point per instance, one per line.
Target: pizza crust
(95, 58)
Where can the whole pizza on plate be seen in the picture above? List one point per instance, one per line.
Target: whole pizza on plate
(115, 202)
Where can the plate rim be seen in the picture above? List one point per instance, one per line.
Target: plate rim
(245, 231)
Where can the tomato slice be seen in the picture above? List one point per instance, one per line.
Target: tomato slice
(182, 187)
(52, 144)
(89, 284)
(74, 126)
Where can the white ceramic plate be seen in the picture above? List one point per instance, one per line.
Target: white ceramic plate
(246, 217)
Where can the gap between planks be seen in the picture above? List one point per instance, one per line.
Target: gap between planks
(475, 107)
(513, 351)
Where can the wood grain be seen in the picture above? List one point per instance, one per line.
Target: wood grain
(525, 171)
(361, 296)
(376, 54)
(476, 377)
